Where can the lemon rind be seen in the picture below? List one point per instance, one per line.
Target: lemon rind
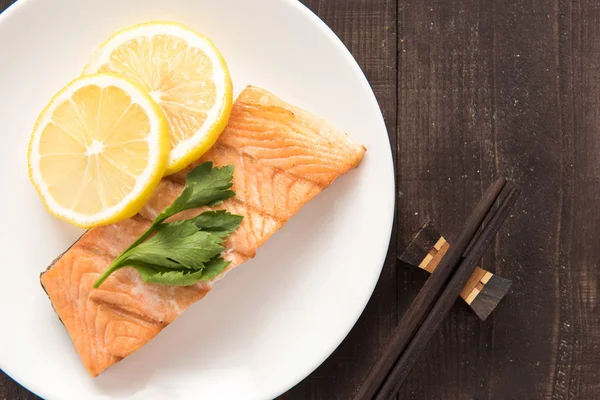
(152, 175)
(217, 118)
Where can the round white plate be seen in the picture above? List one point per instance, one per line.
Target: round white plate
(272, 321)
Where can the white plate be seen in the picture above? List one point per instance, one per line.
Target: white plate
(270, 322)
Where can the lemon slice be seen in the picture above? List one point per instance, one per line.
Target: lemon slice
(184, 73)
(98, 150)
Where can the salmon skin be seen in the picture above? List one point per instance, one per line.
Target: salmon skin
(283, 157)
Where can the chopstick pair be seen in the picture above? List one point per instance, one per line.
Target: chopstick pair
(435, 299)
(484, 289)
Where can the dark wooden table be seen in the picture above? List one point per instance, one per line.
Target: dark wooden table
(471, 90)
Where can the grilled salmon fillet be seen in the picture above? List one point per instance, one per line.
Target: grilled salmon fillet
(283, 157)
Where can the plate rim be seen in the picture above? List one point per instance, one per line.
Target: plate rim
(350, 60)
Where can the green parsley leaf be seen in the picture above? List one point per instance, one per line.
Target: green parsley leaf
(214, 268)
(204, 186)
(221, 222)
(181, 278)
(168, 277)
(185, 252)
(177, 245)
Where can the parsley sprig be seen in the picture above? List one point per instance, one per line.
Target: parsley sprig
(184, 252)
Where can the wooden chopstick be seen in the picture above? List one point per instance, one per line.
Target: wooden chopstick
(426, 297)
(444, 303)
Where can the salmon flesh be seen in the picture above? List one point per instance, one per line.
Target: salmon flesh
(283, 157)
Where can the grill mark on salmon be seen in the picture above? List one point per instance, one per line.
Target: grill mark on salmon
(283, 157)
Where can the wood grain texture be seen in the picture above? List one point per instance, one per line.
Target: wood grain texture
(472, 90)
(500, 88)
